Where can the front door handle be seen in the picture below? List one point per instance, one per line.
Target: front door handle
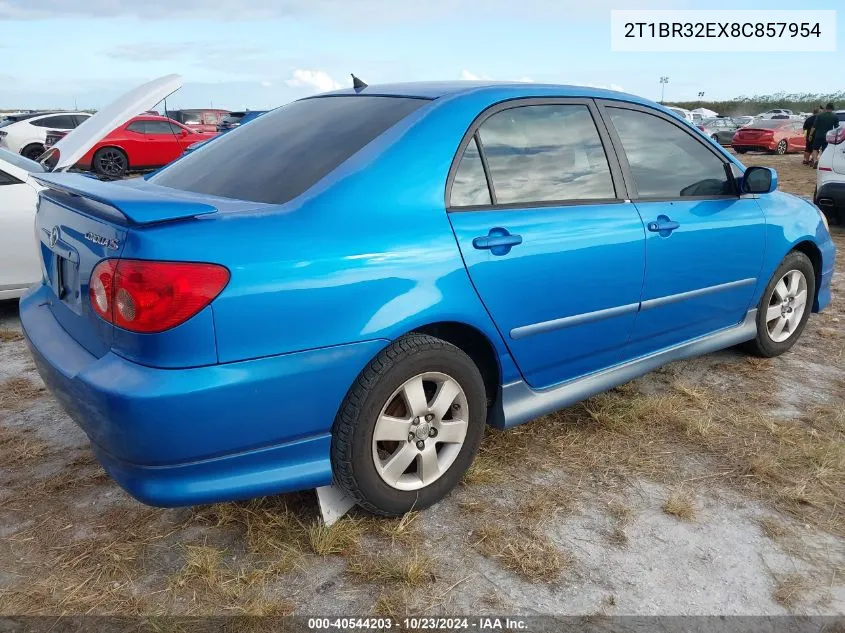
(663, 225)
(498, 241)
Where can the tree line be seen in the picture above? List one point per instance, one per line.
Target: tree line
(760, 103)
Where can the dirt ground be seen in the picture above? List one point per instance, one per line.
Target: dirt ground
(712, 486)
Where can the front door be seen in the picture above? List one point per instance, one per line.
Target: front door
(556, 255)
(704, 242)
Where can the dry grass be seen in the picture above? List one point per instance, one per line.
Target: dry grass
(10, 336)
(530, 555)
(411, 569)
(343, 537)
(790, 590)
(774, 528)
(16, 392)
(17, 448)
(484, 470)
(680, 504)
(621, 515)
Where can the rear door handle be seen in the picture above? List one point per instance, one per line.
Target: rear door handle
(498, 241)
(663, 225)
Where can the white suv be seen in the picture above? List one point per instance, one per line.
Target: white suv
(830, 176)
(25, 133)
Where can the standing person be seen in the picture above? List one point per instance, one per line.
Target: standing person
(808, 138)
(824, 123)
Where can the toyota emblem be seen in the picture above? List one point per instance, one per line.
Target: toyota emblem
(54, 236)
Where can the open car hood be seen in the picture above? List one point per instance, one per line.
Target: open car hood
(78, 142)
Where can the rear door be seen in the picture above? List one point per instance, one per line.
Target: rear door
(553, 248)
(704, 243)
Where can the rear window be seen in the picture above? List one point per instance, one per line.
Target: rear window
(283, 153)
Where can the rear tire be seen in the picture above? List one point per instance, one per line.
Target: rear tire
(110, 162)
(386, 461)
(784, 307)
(740, 151)
(32, 152)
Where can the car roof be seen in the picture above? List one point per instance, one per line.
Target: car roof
(152, 117)
(512, 90)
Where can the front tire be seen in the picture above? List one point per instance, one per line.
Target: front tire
(785, 306)
(410, 426)
(781, 148)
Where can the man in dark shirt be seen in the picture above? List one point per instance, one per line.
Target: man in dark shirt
(808, 138)
(825, 121)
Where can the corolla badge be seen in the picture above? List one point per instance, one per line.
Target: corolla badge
(102, 241)
(54, 236)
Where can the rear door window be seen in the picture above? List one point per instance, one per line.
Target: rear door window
(59, 122)
(470, 185)
(545, 153)
(283, 153)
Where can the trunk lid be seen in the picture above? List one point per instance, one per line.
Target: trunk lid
(81, 221)
(73, 235)
(68, 150)
(754, 133)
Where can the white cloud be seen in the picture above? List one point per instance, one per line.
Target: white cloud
(615, 87)
(469, 76)
(315, 79)
(266, 84)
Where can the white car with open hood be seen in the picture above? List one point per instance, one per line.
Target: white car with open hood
(19, 258)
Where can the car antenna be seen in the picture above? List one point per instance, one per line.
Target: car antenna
(358, 84)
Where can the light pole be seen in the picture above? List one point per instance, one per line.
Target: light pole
(700, 95)
(663, 82)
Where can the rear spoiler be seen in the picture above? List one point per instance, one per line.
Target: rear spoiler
(138, 205)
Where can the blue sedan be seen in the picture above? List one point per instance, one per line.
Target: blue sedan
(351, 286)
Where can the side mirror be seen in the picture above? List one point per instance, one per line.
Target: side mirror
(184, 132)
(759, 180)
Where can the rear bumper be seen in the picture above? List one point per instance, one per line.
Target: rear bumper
(754, 147)
(175, 437)
(830, 196)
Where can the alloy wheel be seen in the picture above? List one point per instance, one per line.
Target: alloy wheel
(420, 431)
(786, 306)
(781, 147)
(112, 163)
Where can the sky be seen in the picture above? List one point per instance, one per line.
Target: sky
(260, 54)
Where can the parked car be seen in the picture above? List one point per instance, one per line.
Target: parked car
(234, 119)
(830, 176)
(720, 130)
(199, 120)
(744, 120)
(351, 286)
(20, 262)
(26, 133)
(142, 143)
(776, 112)
(770, 135)
(682, 112)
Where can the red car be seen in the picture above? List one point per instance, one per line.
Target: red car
(198, 119)
(770, 135)
(145, 142)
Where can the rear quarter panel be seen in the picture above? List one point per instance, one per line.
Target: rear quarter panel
(366, 254)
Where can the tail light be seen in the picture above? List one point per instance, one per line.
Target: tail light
(835, 136)
(145, 296)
